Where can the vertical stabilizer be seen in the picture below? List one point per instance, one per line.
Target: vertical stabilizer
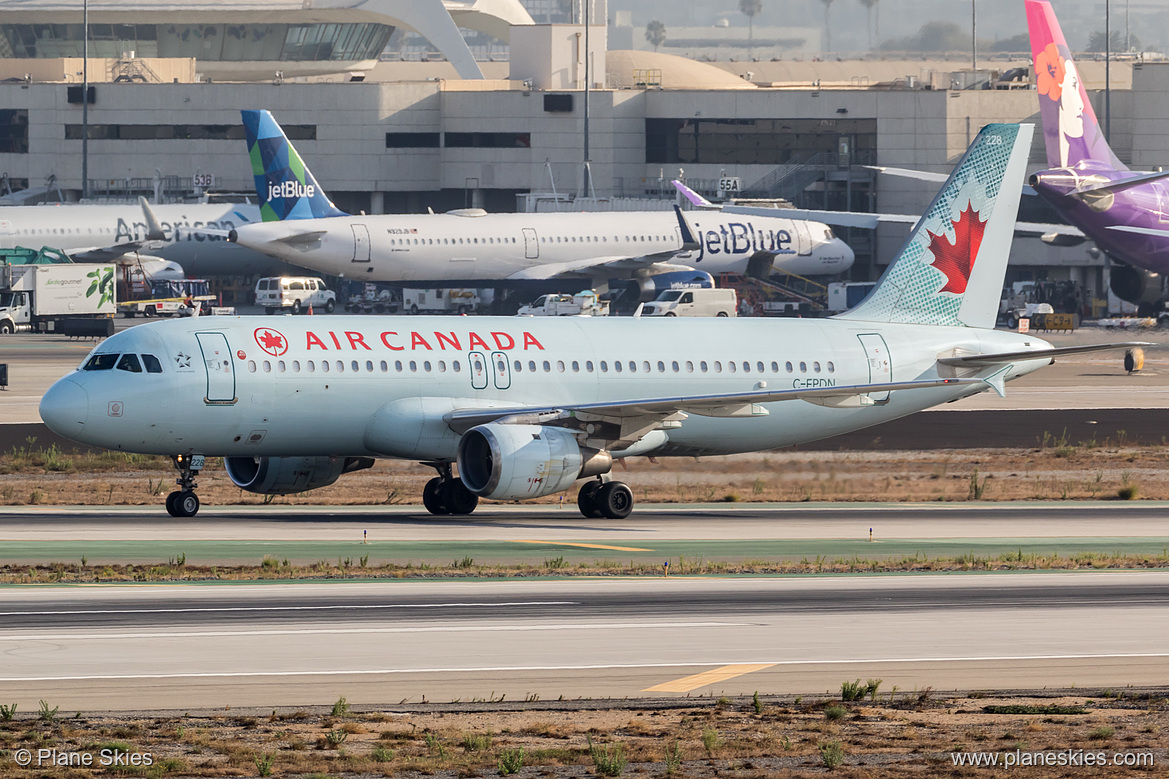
(951, 270)
(1070, 129)
(284, 184)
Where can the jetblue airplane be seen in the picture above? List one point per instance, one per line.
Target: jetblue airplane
(526, 407)
(171, 233)
(302, 226)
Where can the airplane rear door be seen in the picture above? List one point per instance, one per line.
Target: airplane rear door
(220, 370)
(531, 244)
(360, 243)
(880, 364)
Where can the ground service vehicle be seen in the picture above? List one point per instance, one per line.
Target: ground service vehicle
(444, 301)
(693, 302)
(169, 297)
(586, 303)
(294, 293)
(43, 298)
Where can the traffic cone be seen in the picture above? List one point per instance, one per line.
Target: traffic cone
(310, 309)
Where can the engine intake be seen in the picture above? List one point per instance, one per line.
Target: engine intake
(286, 475)
(511, 462)
(1135, 285)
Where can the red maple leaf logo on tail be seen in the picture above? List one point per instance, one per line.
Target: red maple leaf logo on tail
(956, 259)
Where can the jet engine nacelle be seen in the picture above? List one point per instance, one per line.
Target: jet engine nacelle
(649, 287)
(511, 462)
(1135, 285)
(286, 475)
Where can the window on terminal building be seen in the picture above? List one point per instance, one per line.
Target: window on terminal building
(487, 140)
(412, 140)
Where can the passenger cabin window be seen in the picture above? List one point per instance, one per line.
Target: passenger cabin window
(129, 362)
(101, 362)
(152, 364)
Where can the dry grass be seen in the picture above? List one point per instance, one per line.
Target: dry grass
(1054, 470)
(897, 736)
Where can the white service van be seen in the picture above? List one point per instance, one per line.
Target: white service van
(693, 302)
(295, 294)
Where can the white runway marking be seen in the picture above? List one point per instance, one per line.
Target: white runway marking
(209, 609)
(615, 667)
(352, 631)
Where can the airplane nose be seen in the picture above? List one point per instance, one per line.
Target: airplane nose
(848, 254)
(65, 407)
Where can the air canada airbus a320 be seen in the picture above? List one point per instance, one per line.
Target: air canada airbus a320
(515, 408)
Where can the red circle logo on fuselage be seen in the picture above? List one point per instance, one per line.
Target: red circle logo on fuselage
(271, 341)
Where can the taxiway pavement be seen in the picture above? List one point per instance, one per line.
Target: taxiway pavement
(167, 647)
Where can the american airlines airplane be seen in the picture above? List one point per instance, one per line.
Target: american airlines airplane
(516, 408)
(302, 226)
(162, 235)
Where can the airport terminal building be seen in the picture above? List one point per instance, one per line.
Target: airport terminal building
(412, 136)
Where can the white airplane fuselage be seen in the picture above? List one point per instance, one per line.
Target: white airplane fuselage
(380, 386)
(86, 226)
(468, 248)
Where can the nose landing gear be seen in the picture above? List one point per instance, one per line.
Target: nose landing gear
(184, 502)
(446, 493)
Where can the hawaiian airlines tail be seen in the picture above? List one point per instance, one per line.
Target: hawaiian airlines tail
(284, 184)
(951, 270)
(1070, 129)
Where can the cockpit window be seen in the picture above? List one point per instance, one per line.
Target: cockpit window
(129, 362)
(152, 364)
(828, 234)
(100, 362)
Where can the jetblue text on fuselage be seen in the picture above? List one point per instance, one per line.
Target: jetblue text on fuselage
(172, 232)
(290, 189)
(739, 238)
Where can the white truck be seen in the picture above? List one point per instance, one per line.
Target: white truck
(444, 301)
(693, 302)
(60, 297)
(586, 303)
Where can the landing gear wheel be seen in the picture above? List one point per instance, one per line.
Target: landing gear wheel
(615, 500)
(184, 502)
(329, 306)
(586, 500)
(432, 497)
(187, 504)
(457, 499)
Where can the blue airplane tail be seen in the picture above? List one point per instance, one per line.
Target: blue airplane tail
(284, 184)
(951, 270)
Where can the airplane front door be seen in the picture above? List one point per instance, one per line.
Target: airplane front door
(220, 369)
(803, 237)
(360, 243)
(531, 244)
(880, 364)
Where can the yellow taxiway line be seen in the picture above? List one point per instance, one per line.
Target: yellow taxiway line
(688, 683)
(586, 546)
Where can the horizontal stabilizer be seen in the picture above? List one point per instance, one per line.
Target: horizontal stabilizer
(695, 199)
(1036, 354)
(1116, 186)
(1140, 230)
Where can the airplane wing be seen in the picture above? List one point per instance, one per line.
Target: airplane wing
(630, 420)
(1140, 230)
(870, 221)
(1039, 354)
(553, 270)
(909, 173)
(695, 199)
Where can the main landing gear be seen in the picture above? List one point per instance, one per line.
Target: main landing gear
(610, 499)
(446, 494)
(184, 502)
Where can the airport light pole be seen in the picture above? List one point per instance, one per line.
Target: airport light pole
(973, 35)
(84, 99)
(586, 174)
(1108, 70)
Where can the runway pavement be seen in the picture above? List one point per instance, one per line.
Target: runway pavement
(168, 647)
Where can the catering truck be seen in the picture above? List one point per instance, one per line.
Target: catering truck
(76, 299)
